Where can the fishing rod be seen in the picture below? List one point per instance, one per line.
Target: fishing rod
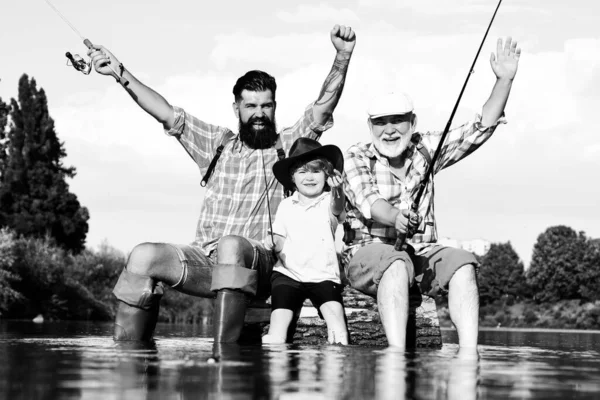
(401, 239)
(78, 62)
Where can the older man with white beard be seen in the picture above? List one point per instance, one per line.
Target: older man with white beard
(381, 181)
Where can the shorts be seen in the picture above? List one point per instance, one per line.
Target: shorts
(192, 256)
(290, 294)
(431, 271)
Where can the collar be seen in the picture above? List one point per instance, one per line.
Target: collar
(296, 200)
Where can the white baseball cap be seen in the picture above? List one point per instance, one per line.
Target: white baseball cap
(390, 104)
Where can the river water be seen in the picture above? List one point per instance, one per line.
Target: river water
(66, 360)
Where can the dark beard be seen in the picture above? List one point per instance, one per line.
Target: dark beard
(258, 139)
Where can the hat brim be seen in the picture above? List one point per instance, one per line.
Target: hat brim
(282, 167)
(389, 113)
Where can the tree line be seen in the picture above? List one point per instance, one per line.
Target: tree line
(45, 267)
(561, 287)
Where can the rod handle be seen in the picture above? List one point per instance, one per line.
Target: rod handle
(400, 244)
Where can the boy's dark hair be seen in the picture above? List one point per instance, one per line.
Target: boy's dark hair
(313, 165)
(254, 81)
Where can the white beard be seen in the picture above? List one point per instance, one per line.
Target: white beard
(392, 149)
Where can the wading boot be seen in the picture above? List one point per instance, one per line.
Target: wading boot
(228, 320)
(132, 323)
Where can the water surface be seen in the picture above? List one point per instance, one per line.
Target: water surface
(66, 360)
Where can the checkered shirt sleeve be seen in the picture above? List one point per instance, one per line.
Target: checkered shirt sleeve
(199, 139)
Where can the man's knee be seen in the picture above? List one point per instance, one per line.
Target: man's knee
(233, 249)
(464, 275)
(398, 273)
(145, 258)
(464, 280)
(235, 256)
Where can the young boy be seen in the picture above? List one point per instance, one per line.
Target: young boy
(303, 239)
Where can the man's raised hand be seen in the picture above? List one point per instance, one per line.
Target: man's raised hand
(101, 58)
(506, 60)
(343, 38)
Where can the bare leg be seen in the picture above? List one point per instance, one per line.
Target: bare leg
(392, 300)
(463, 304)
(278, 327)
(333, 313)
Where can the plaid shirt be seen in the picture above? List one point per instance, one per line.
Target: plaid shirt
(235, 201)
(368, 178)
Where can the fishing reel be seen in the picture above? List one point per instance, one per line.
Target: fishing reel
(79, 63)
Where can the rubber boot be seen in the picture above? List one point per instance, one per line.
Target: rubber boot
(132, 323)
(228, 320)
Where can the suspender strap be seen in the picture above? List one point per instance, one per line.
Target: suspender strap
(227, 136)
(416, 139)
(279, 148)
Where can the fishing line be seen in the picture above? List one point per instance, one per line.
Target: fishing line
(65, 19)
(262, 154)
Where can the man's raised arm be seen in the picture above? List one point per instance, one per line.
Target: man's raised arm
(149, 100)
(343, 39)
(504, 64)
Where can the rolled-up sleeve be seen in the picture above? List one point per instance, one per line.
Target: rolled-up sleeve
(461, 141)
(198, 138)
(359, 185)
(306, 126)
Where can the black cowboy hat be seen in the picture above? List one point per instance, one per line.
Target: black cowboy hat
(306, 149)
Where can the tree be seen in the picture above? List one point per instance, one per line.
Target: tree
(557, 264)
(3, 139)
(589, 278)
(34, 196)
(501, 273)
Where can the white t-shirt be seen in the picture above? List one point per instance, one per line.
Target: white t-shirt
(308, 253)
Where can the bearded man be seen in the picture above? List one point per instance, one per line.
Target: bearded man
(227, 259)
(381, 182)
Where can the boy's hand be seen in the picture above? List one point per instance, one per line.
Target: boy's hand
(335, 183)
(275, 246)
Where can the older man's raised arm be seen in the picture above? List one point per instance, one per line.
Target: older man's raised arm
(504, 64)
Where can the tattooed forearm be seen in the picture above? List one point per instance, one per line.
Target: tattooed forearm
(332, 87)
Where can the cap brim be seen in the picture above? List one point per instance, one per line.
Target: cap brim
(389, 113)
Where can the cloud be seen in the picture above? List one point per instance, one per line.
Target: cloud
(535, 171)
(449, 8)
(321, 12)
(261, 52)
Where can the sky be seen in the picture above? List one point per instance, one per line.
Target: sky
(537, 171)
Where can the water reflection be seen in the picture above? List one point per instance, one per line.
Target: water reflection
(391, 376)
(82, 361)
